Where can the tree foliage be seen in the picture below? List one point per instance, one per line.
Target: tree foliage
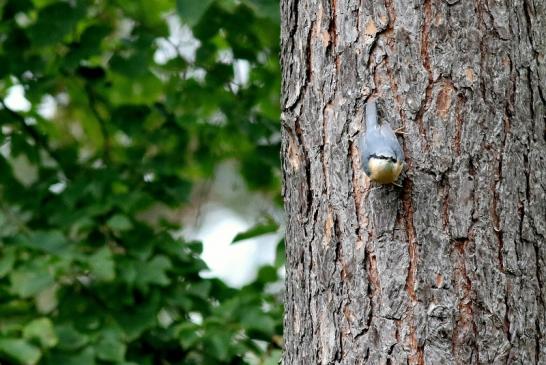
(139, 120)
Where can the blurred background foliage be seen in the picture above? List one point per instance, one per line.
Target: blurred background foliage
(128, 106)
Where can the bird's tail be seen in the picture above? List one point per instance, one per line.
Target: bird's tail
(371, 114)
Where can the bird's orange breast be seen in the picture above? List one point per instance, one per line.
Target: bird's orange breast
(384, 171)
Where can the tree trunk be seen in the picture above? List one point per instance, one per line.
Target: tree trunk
(450, 268)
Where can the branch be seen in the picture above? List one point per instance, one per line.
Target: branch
(92, 98)
(38, 138)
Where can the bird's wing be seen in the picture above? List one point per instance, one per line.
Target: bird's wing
(364, 151)
(390, 139)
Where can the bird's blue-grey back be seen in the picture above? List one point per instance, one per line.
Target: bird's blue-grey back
(391, 141)
(364, 152)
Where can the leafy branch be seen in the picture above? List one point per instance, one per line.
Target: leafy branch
(38, 139)
(92, 99)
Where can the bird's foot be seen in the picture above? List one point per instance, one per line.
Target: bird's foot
(400, 130)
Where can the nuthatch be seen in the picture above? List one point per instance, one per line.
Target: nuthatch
(381, 155)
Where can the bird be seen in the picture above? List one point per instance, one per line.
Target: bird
(380, 153)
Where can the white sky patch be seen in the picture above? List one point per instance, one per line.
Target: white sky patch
(48, 107)
(241, 70)
(196, 317)
(231, 263)
(16, 99)
(225, 56)
(180, 42)
(241, 73)
(218, 118)
(197, 74)
(58, 188)
(237, 263)
(165, 52)
(149, 177)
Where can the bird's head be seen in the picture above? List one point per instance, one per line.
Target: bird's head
(384, 168)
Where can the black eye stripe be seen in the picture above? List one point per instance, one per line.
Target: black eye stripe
(392, 159)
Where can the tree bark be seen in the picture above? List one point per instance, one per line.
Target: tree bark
(450, 268)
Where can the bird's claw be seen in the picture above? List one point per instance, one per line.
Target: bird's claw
(400, 130)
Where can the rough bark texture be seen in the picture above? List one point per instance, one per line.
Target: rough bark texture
(450, 268)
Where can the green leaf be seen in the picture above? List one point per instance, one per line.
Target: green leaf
(134, 66)
(6, 261)
(137, 320)
(47, 241)
(195, 246)
(267, 274)
(128, 270)
(191, 11)
(42, 3)
(188, 334)
(255, 320)
(145, 89)
(20, 351)
(280, 254)
(120, 223)
(218, 344)
(54, 22)
(88, 46)
(41, 329)
(69, 338)
(110, 347)
(154, 271)
(102, 265)
(274, 358)
(85, 357)
(266, 8)
(257, 230)
(30, 281)
(148, 12)
(200, 289)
